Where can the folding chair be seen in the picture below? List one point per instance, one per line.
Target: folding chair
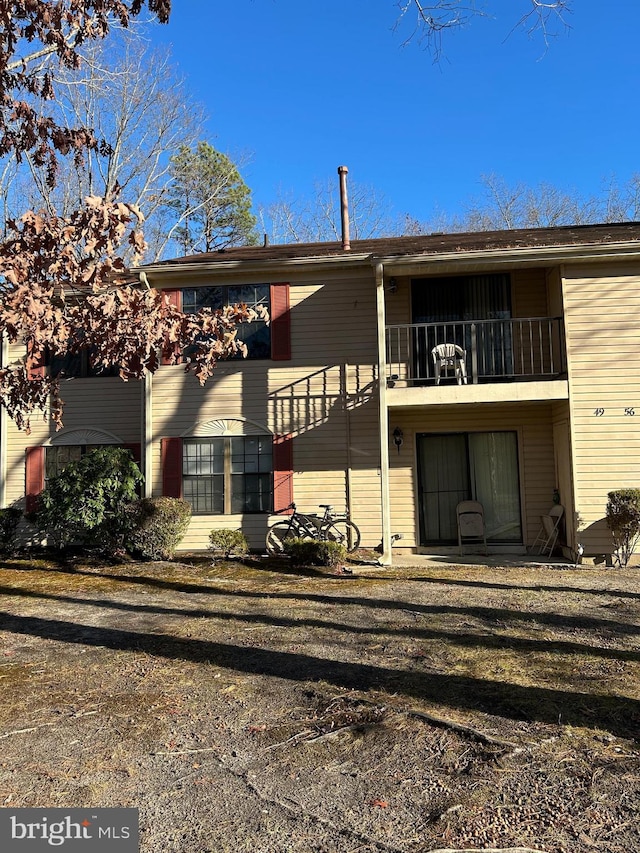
(547, 536)
(470, 518)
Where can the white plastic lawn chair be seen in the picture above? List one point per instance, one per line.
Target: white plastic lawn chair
(450, 357)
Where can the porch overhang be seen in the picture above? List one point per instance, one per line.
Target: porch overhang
(459, 395)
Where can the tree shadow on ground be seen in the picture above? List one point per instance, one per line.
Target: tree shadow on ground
(532, 587)
(618, 715)
(490, 614)
(480, 640)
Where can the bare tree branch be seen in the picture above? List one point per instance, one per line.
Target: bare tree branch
(430, 21)
(141, 113)
(427, 22)
(300, 219)
(544, 18)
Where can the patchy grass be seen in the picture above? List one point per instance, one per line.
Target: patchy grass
(247, 706)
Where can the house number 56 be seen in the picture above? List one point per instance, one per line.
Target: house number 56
(630, 411)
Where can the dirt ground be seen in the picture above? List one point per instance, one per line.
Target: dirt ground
(259, 708)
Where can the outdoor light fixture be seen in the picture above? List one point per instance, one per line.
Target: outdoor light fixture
(398, 438)
(393, 285)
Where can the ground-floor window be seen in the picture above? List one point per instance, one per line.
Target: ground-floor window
(481, 466)
(59, 456)
(227, 475)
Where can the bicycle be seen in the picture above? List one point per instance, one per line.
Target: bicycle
(339, 528)
(327, 527)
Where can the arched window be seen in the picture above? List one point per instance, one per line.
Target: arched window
(71, 446)
(227, 468)
(42, 463)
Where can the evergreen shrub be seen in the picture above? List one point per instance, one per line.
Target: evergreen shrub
(228, 542)
(86, 504)
(9, 519)
(623, 518)
(313, 552)
(157, 526)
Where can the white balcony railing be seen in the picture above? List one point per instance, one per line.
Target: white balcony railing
(495, 350)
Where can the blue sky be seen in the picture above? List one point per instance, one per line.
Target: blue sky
(307, 87)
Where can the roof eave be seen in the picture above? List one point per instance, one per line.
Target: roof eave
(513, 255)
(257, 265)
(399, 264)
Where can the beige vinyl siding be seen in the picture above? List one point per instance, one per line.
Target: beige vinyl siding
(398, 312)
(554, 292)
(104, 403)
(533, 424)
(398, 304)
(328, 407)
(529, 293)
(603, 348)
(531, 341)
(107, 405)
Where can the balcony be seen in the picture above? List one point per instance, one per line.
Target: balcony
(497, 354)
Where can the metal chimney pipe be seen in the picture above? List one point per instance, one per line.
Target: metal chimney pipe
(344, 208)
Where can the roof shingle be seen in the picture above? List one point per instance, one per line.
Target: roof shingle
(428, 244)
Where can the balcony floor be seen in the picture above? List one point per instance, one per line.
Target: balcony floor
(498, 392)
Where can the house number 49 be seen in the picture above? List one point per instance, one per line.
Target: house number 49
(629, 412)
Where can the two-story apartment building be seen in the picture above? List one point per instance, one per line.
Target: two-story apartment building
(342, 401)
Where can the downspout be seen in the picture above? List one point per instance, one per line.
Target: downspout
(344, 371)
(385, 503)
(147, 434)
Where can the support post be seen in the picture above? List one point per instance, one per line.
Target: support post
(147, 435)
(383, 419)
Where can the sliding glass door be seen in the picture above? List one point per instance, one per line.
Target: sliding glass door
(480, 466)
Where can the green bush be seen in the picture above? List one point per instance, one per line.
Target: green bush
(228, 542)
(87, 502)
(623, 518)
(157, 526)
(312, 552)
(9, 520)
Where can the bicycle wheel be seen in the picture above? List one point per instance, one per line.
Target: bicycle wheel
(276, 535)
(343, 531)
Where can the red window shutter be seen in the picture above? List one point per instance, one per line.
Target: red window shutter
(34, 466)
(136, 452)
(282, 472)
(174, 297)
(172, 467)
(36, 363)
(280, 322)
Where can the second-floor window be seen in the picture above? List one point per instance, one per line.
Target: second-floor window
(77, 365)
(256, 335)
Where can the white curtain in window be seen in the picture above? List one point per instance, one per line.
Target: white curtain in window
(493, 462)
